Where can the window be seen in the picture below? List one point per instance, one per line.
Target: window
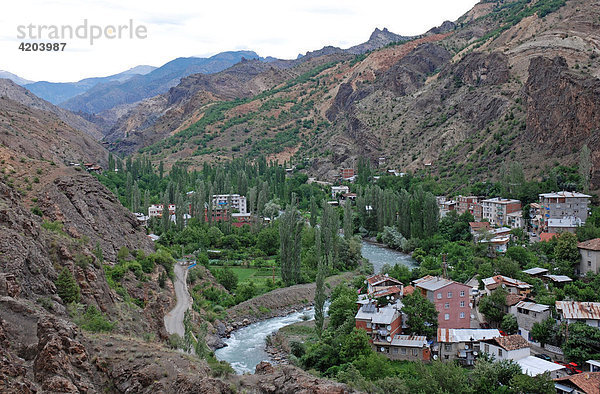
(447, 316)
(462, 304)
(447, 347)
(439, 296)
(499, 352)
(368, 324)
(462, 293)
(446, 306)
(487, 348)
(403, 350)
(395, 350)
(449, 294)
(462, 315)
(415, 352)
(589, 263)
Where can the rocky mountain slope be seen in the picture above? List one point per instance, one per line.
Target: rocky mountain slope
(58, 92)
(108, 95)
(14, 92)
(465, 98)
(15, 78)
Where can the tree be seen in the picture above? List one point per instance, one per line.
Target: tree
(540, 384)
(268, 240)
(348, 225)
(290, 231)
(509, 324)
(67, 287)
(227, 278)
(566, 248)
(271, 209)
(582, 343)
(320, 292)
(492, 306)
(313, 211)
(545, 332)
(585, 167)
(421, 315)
(488, 375)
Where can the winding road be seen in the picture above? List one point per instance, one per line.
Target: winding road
(174, 319)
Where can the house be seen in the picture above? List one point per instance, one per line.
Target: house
(574, 311)
(234, 202)
(562, 205)
(593, 365)
(567, 224)
(335, 190)
(471, 204)
(581, 383)
(240, 219)
(349, 197)
(447, 206)
(527, 314)
(451, 300)
(516, 348)
(347, 173)
(477, 228)
(407, 347)
(379, 282)
(497, 238)
(590, 257)
(141, 218)
(156, 210)
(558, 279)
(536, 218)
(495, 210)
(462, 344)
(515, 220)
(512, 286)
(536, 272)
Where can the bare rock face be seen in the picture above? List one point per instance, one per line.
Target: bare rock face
(61, 364)
(289, 379)
(87, 208)
(479, 68)
(12, 371)
(563, 108)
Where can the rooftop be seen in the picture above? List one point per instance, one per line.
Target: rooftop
(513, 299)
(588, 382)
(453, 335)
(545, 237)
(385, 315)
(579, 310)
(479, 225)
(564, 194)
(504, 280)
(592, 244)
(500, 200)
(534, 366)
(509, 342)
(535, 271)
(432, 283)
(532, 306)
(559, 278)
(409, 341)
(376, 279)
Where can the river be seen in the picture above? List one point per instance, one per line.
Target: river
(246, 346)
(379, 256)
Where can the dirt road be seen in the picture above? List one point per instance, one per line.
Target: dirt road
(174, 319)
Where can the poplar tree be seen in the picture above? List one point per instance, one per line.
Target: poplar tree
(320, 297)
(348, 225)
(290, 229)
(313, 211)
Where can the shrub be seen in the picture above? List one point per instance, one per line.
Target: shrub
(66, 287)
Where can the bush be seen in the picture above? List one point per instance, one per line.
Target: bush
(66, 287)
(93, 320)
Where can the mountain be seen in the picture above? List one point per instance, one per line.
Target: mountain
(105, 96)
(14, 92)
(57, 92)
(15, 78)
(508, 81)
(378, 39)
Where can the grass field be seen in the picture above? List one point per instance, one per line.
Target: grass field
(244, 274)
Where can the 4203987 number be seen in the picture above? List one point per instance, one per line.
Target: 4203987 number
(42, 46)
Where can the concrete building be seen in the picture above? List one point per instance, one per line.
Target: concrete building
(512, 286)
(156, 210)
(495, 210)
(515, 220)
(335, 190)
(238, 203)
(527, 314)
(567, 224)
(462, 344)
(590, 257)
(471, 204)
(451, 300)
(407, 347)
(574, 311)
(562, 205)
(380, 282)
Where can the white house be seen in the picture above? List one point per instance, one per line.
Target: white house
(335, 190)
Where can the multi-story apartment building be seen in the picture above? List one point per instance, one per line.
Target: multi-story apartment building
(564, 205)
(156, 210)
(495, 210)
(238, 203)
(471, 204)
(451, 299)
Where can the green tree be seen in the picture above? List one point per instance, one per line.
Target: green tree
(227, 278)
(348, 225)
(509, 324)
(314, 211)
(67, 287)
(540, 384)
(290, 231)
(492, 306)
(544, 332)
(487, 375)
(566, 248)
(421, 315)
(582, 343)
(320, 293)
(355, 345)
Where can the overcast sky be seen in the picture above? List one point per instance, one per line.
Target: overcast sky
(181, 28)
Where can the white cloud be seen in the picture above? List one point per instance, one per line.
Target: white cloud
(180, 28)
